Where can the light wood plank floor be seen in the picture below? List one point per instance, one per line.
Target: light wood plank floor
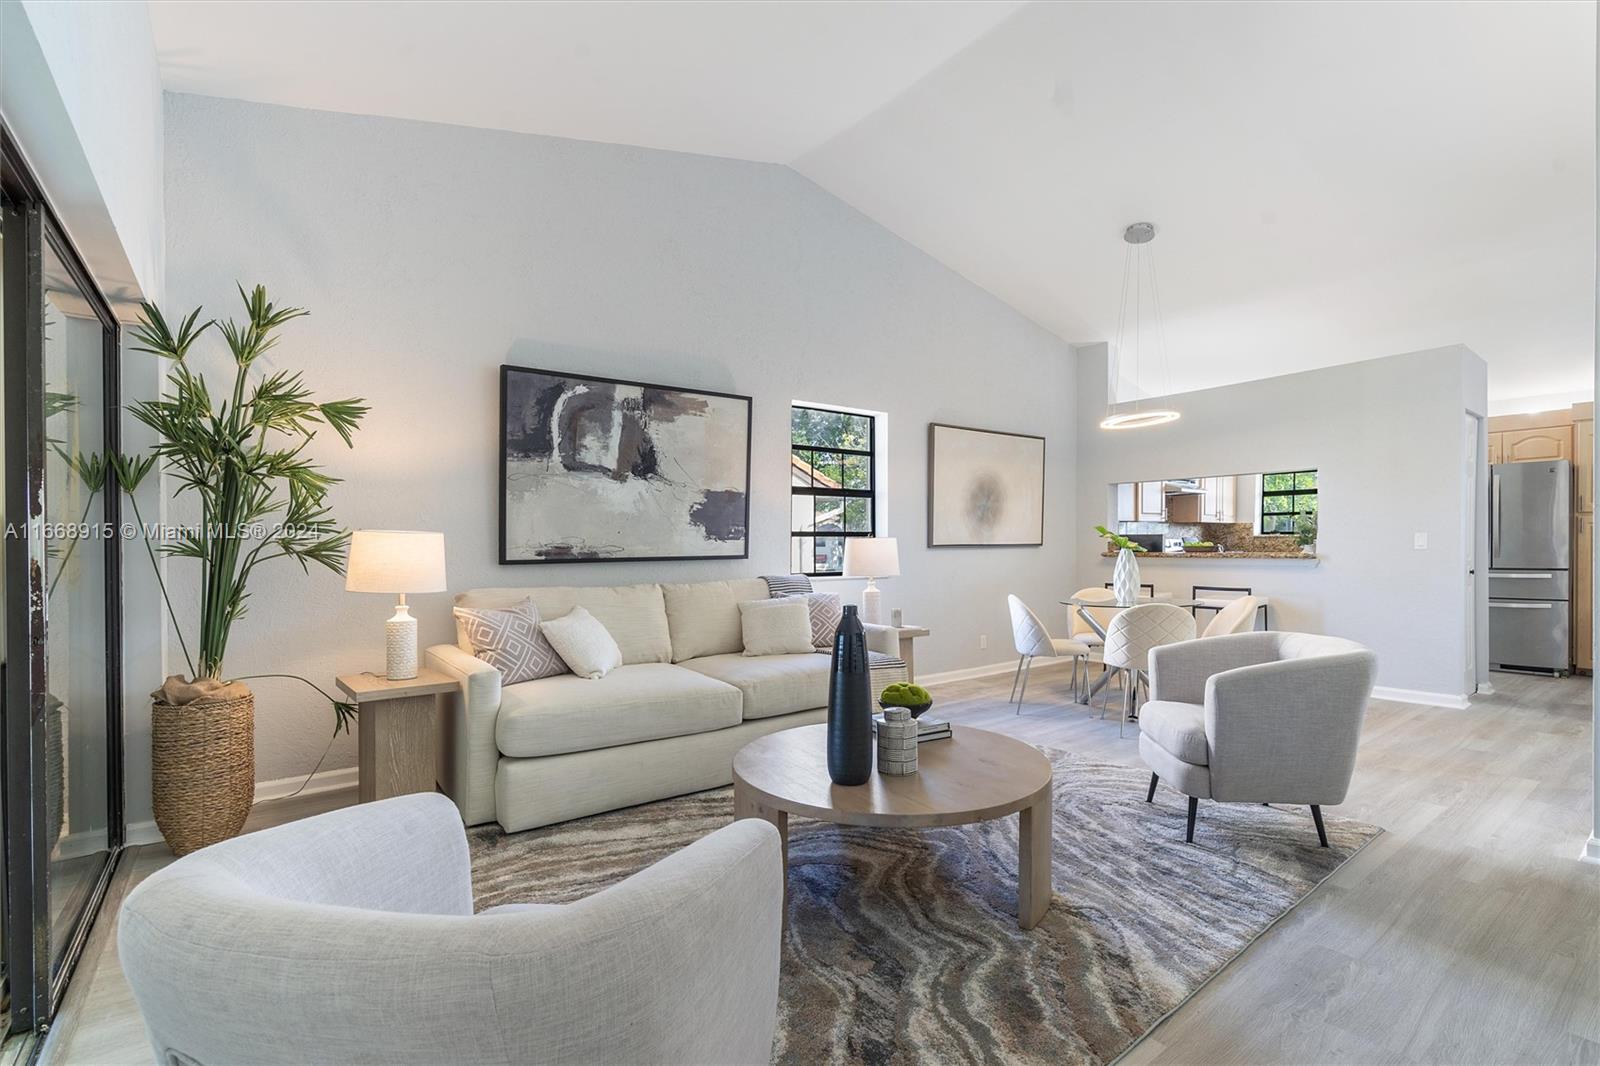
(1467, 933)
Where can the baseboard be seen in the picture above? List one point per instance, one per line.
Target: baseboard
(1591, 851)
(322, 781)
(1449, 701)
(143, 833)
(1486, 688)
(990, 670)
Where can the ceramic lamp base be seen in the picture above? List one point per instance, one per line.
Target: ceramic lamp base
(871, 604)
(400, 644)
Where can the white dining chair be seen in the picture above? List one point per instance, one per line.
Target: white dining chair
(1239, 616)
(1033, 640)
(1133, 632)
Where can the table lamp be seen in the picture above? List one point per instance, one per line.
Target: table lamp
(871, 558)
(398, 561)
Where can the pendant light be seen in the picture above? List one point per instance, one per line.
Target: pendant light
(1138, 261)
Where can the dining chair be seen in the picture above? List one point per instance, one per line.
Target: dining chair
(1032, 640)
(1239, 616)
(1133, 632)
(1203, 601)
(1149, 589)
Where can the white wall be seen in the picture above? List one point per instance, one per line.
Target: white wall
(1385, 437)
(430, 254)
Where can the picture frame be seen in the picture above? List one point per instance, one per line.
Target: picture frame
(985, 488)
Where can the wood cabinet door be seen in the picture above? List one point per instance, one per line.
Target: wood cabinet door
(1583, 592)
(1210, 499)
(1496, 452)
(1583, 463)
(1533, 445)
(1152, 501)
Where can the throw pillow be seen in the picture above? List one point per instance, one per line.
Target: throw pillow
(583, 643)
(776, 627)
(509, 640)
(826, 613)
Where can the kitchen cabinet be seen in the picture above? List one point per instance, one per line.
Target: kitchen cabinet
(1125, 509)
(1583, 464)
(1185, 508)
(1496, 448)
(1532, 445)
(1583, 592)
(1219, 499)
(1151, 501)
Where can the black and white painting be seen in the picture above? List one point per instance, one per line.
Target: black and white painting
(985, 488)
(594, 469)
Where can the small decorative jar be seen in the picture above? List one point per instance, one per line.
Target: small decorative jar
(897, 742)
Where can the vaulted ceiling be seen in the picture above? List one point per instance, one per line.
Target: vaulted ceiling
(1330, 182)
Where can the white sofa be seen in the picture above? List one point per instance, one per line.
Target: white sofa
(667, 722)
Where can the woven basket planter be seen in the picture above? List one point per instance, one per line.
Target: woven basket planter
(203, 769)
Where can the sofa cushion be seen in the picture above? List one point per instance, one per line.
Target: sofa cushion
(509, 640)
(583, 644)
(703, 617)
(1180, 728)
(776, 627)
(771, 684)
(644, 701)
(634, 615)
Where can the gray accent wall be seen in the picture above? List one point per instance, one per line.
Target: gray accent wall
(430, 254)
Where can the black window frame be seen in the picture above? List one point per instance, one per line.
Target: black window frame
(870, 494)
(1295, 510)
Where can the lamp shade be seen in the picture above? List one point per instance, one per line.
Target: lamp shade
(871, 557)
(395, 560)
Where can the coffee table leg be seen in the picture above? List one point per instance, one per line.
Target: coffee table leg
(746, 806)
(1034, 825)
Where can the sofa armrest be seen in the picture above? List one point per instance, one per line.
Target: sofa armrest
(470, 757)
(1178, 672)
(885, 640)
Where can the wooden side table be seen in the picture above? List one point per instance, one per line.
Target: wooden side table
(908, 650)
(397, 731)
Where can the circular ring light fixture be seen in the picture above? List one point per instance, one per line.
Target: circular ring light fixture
(1139, 282)
(1138, 419)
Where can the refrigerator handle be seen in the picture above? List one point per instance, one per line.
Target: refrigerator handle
(1494, 524)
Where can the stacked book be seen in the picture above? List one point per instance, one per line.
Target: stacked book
(927, 728)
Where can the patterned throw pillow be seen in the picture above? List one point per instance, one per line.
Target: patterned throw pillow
(510, 641)
(826, 614)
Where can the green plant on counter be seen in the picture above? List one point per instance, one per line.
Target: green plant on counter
(1198, 544)
(1305, 529)
(1118, 541)
(901, 694)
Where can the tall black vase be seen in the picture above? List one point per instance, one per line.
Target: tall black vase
(850, 705)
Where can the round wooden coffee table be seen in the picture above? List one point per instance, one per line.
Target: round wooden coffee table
(974, 776)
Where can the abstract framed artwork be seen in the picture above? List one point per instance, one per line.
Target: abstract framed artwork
(985, 488)
(597, 470)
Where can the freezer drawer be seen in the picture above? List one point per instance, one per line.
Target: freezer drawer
(1528, 585)
(1529, 633)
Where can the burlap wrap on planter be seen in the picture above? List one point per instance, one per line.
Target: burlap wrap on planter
(203, 760)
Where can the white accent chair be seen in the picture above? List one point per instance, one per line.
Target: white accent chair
(1082, 631)
(1132, 635)
(350, 937)
(1238, 616)
(1032, 640)
(1257, 718)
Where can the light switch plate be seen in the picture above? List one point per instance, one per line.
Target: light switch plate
(1419, 541)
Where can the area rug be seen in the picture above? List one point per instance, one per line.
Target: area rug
(902, 945)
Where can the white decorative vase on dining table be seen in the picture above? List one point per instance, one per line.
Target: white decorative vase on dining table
(1125, 579)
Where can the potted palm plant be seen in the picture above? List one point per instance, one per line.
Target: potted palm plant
(260, 501)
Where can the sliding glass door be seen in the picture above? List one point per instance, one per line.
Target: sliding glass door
(61, 697)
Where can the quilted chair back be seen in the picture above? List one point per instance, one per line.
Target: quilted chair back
(1238, 617)
(1103, 615)
(1136, 630)
(1027, 632)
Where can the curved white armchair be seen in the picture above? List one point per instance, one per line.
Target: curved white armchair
(1239, 616)
(1257, 718)
(1032, 640)
(350, 937)
(1133, 634)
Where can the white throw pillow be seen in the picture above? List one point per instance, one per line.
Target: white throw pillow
(583, 643)
(776, 627)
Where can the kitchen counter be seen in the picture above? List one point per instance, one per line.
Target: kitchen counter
(1141, 556)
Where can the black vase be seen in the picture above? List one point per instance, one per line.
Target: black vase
(850, 705)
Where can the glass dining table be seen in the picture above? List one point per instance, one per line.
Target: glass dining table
(1099, 620)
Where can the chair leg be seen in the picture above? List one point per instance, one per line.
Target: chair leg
(1128, 691)
(1014, 679)
(1322, 831)
(1149, 797)
(1027, 671)
(1194, 805)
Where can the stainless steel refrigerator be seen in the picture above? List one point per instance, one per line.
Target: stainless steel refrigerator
(1530, 550)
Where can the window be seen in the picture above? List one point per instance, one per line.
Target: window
(1285, 497)
(832, 486)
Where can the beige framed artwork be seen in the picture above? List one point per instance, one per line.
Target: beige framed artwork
(985, 488)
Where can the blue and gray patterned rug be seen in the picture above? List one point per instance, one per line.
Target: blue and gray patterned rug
(902, 946)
